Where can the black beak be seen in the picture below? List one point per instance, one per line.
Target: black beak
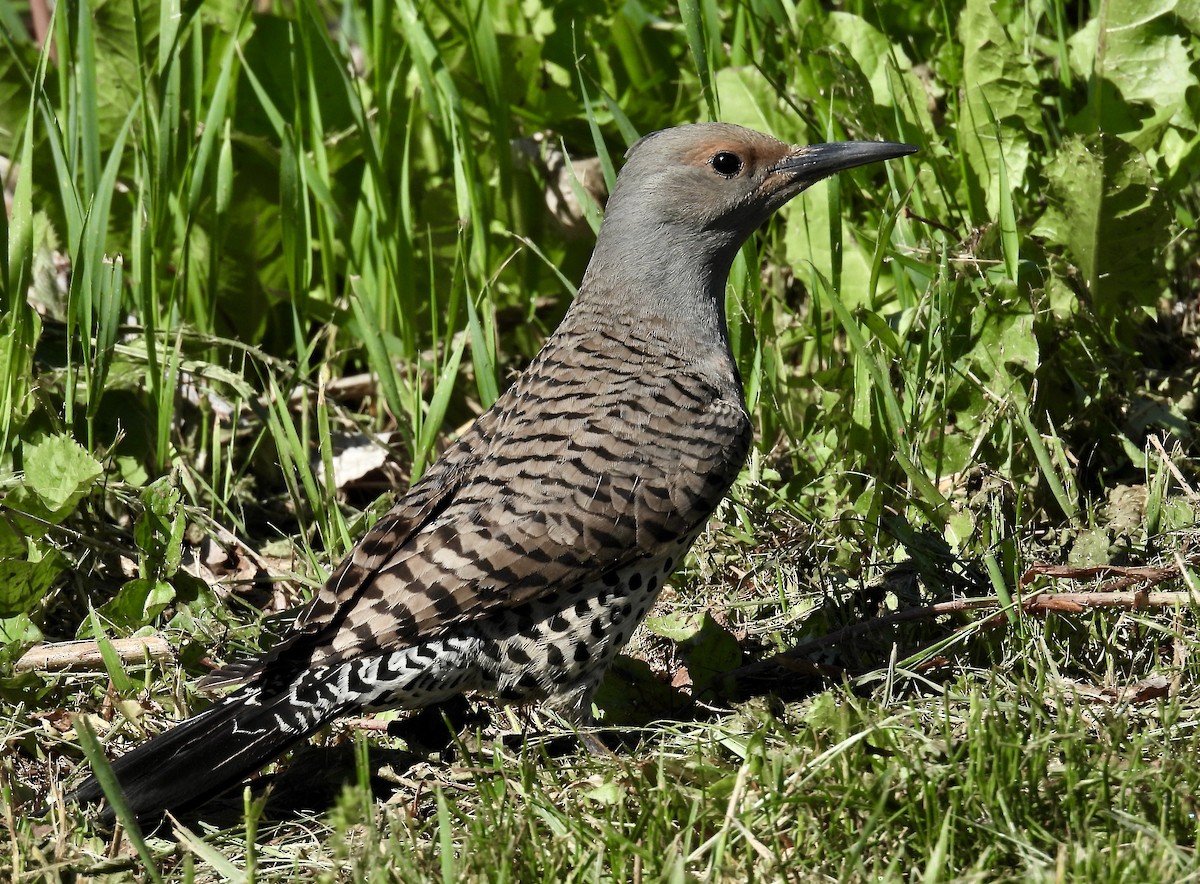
(817, 161)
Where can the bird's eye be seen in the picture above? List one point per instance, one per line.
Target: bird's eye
(726, 164)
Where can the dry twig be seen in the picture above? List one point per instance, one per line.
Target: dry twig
(63, 656)
(1109, 594)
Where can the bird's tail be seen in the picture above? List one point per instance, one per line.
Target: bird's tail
(206, 755)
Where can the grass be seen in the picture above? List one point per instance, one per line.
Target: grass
(222, 217)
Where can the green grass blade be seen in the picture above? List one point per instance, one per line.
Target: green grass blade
(483, 355)
(88, 135)
(208, 854)
(1010, 243)
(215, 123)
(697, 41)
(1066, 502)
(103, 274)
(367, 321)
(432, 422)
(116, 799)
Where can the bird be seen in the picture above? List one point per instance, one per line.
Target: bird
(524, 558)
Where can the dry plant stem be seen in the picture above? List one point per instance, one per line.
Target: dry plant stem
(787, 660)
(1124, 576)
(114, 865)
(1107, 595)
(64, 656)
(354, 386)
(1170, 465)
(1074, 602)
(908, 213)
(39, 12)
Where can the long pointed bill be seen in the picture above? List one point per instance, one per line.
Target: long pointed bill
(805, 166)
(817, 161)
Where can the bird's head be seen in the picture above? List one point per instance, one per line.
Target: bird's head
(720, 181)
(685, 201)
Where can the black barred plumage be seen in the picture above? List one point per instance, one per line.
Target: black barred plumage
(521, 563)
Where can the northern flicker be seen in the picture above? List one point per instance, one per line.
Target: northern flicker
(522, 561)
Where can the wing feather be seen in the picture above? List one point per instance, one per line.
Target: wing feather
(571, 474)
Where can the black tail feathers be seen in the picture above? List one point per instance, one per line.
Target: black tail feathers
(209, 754)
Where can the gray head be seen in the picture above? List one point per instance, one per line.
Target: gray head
(700, 191)
(685, 201)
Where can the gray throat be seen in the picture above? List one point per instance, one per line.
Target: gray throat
(670, 279)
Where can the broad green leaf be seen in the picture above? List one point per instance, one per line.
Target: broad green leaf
(1091, 549)
(117, 83)
(810, 249)
(708, 648)
(1000, 85)
(631, 694)
(158, 531)
(676, 626)
(138, 602)
(747, 98)
(1005, 337)
(1106, 209)
(960, 529)
(23, 582)
(882, 61)
(1140, 72)
(19, 630)
(60, 472)
(12, 544)
(14, 89)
